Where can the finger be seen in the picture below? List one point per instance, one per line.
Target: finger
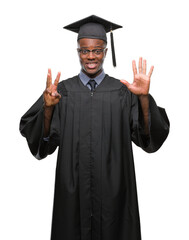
(56, 94)
(140, 65)
(150, 72)
(57, 79)
(125, 83)
(144, 67)
(48, 91)
(134, 67)
(49, 78)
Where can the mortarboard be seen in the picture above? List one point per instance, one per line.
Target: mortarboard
(95, 27)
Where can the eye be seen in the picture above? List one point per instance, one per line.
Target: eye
(84, 51)
(98, 51)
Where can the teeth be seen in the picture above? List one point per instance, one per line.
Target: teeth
(91, 65)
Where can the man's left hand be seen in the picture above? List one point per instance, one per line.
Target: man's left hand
(141, 82)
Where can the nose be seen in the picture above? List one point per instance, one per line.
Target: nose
(91, 55)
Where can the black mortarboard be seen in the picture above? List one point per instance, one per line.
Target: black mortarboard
(94, 27)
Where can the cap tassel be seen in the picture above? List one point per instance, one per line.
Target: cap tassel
(113, 49)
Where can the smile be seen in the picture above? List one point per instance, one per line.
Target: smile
(91, 65)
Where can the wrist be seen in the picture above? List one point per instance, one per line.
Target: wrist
(48, 110)
(144, 103)
(143, 97)
(47, 107)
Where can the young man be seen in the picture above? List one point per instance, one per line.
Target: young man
(93, 118)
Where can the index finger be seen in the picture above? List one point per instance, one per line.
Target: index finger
(49, 78)
(56, 81)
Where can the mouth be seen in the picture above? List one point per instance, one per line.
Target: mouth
(91, 65)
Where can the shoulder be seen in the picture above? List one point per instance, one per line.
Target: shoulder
(112, 83)
(69, 81)
(67, 84)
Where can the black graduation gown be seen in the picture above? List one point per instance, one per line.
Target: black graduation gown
(95, 188)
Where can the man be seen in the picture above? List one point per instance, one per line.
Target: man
(93, 118)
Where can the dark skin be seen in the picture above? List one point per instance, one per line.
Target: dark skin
(51, 98)
(140, 87)
(92, 66)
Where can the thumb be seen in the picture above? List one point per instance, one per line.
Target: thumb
(125, 82)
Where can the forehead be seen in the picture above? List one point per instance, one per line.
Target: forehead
(89, 42)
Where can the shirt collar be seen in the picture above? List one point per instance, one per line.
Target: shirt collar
(84, 78)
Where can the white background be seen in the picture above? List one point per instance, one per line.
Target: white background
(32, 40)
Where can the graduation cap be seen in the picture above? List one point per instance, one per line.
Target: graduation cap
(95, 27)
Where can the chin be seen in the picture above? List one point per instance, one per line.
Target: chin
(92, 72)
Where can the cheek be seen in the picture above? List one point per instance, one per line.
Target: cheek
(82, 63)
(101, 60)
(81, 60)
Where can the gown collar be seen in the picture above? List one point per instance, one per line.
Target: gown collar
(85, 79)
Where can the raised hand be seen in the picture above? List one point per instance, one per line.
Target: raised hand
(141, 82)
(51, 96)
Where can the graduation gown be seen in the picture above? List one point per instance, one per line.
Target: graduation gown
(95, 188)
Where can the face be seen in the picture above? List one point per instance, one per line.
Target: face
(91, 63)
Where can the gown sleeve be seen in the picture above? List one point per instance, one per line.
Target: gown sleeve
(158, 125)
(32, 128)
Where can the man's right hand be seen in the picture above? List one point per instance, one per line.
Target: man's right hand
(50, 95)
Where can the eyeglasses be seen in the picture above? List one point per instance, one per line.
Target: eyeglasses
(87, 51)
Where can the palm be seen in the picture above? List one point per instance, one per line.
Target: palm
(141, 82)
(140, 85)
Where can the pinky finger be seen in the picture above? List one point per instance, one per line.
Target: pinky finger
(150, 72)
(134, 67)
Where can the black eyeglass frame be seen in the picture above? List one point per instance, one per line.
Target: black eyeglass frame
(96, 51)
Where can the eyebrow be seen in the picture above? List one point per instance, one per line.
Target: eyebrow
(94, 47)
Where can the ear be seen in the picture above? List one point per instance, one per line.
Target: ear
(105, 52)
(78, 43)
